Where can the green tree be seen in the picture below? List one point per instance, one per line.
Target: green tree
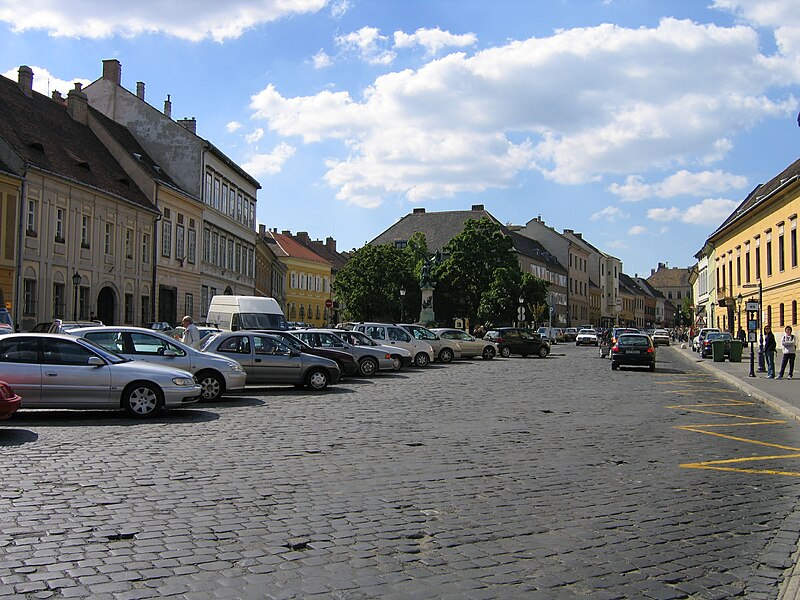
(500, 301)
(534, 295)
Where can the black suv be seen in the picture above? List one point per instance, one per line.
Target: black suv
(516, 340)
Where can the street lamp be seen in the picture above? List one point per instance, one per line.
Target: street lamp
(402, 295)
(76, 281)
(739, 311)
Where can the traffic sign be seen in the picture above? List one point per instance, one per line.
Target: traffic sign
(552, 310)
(751, 306)
(521, 313)
(328, 303)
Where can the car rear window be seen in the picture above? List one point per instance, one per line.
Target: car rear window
(633, 340)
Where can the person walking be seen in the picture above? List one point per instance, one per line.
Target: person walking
(769, 351)
(191, 335)
(789, 347)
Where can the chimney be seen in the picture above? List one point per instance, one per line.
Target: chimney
(419, 211)
(78, 105)
(330, 244)
(112, 71)
(652, 272)
(25, 80)
(303, 235)
(286, 232)
(57, 97)
(190, 124)
(168, 107)
(662, 265)
(477, 207)
(140, 90)
(262, 230)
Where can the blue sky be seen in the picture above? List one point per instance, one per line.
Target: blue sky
(639, 123)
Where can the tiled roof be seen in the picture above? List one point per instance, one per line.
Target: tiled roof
(533, 249)
(42, 133)
(295, 249)
(667, 277)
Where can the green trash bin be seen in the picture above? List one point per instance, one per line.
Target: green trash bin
(718, 350)
(736, 351)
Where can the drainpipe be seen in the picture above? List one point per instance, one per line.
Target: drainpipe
(155, 255)
(20, 244)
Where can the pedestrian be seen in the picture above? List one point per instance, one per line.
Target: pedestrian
(92, 317)
(789, 346)
(191, 334)
(741, 336)
(769, 351)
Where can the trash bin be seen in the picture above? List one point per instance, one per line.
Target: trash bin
(736, 351)
(718, 350)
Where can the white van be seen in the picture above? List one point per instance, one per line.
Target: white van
(233, 313)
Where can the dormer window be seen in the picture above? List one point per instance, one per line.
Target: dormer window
(84, 165)
(38, 146)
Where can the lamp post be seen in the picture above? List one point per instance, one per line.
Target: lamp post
(402, 296)
(739, 311)
(76, 281)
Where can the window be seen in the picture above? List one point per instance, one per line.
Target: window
(189, 304)
(86, 231)
(215, 203)
(794, 312)
(793, 244)
(19, 350)
(781, 258)
(214, 248)
(60, 213)
(230, 256)
(769, 316)
(224, 199)
(781, 315)
(64, 352)
(29, 297)
(238, 344)
(747, 264)
(239, 205)
(738, 270)
(146, 248)
(129, 243)
(145, 308)
(166, 238)
(59, 300)
(83, 302)
(231, 198)
(129, 309)
(204, 300)
(769, 254)
(108, 244)
(192, 249)
(758, 262)
(180, 235)
(207, 245)
(209, 187)
(31, 218)
(237, 253)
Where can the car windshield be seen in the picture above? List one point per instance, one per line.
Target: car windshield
(208, 341)
(587, 332)
(263, 321)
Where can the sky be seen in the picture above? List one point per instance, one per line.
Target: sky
(641, 124)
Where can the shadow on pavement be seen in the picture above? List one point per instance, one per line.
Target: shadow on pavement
(84, 418)
(16, 437)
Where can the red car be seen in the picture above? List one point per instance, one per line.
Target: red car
(9, 401)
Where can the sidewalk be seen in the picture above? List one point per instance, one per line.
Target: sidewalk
(782, 395)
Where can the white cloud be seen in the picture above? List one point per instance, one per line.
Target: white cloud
(195, 20)
(369, 44)
(321, 60)
(45, 83)
(578, 106)
(252, 138)
(609, 213)
(269, 164)
(340, 8)
(710, 212)
(637, 230)
(682, 183)
(433, 40)
(233, 126)
(780, 15)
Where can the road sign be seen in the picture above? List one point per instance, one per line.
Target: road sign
(618, 301)
(521, 313)
(552, 310)
(328, 303)
(751, 307)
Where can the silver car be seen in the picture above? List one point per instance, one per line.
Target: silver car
(266, 359)
(216, 374)
(470, 345)
(444, 350)
(400, 356)
(63, 371)
(370, 359)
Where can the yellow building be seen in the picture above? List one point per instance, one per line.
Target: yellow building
(308, 284)
(756, 254)
(9, 204)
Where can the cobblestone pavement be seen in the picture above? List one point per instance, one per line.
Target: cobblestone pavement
(512, 478)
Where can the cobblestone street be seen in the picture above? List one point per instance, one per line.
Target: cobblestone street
(511, 478)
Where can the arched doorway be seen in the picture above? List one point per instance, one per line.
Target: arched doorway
(106, 306)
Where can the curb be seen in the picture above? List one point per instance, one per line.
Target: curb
(780, 405)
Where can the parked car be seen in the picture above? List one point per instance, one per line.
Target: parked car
(635, 349)
(470, 345)
(661, 337)
(444, 350)
(552, 334)
(607, 341)
(268, 360)
(61, 326)
(162, 326)
(706, 350)
(5, 321)
(9, 401)
(400, 356)
(216, 374)
(370, 359)
(586, 337)
(697, 342)
(64, 371)
(570, 333)
(347, 363)
(390, 334)
(205, 331)
(517, 340)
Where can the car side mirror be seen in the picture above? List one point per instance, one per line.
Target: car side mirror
(170, 353)
(96, 361)
(294, 353)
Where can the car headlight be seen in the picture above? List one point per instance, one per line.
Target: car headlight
(183, 381)
(235, 367)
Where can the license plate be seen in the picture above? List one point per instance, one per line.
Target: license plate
(633, 352)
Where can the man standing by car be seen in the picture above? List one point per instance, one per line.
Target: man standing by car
(191, 336)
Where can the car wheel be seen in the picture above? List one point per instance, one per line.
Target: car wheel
(543, 352)
(397, 363)
(488, 353)
(142, 399)
(212, 385)
(421, 359)
(614, 366)
(368, 367)
(317, 379)
(446, 355)
(505, 351)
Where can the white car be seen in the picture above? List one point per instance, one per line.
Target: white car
(697, 342)
(444, 350)
(389, 334)
(216, 374)
(470, 345)
(660, 337)
(586, 337)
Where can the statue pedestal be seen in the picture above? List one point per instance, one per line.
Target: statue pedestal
(426, 315)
